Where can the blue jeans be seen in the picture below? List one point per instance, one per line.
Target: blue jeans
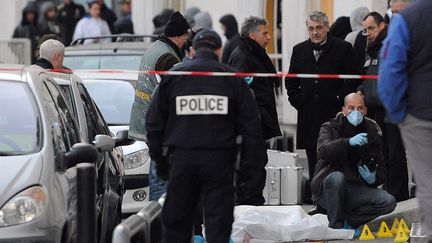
(354, 203)
(157, 186)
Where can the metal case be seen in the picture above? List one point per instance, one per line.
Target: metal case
(291, 184)
(272, 189)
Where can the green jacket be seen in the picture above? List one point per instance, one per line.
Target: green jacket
(145, 87)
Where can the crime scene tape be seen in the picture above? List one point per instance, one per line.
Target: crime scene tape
(220, 74)
(239, 74)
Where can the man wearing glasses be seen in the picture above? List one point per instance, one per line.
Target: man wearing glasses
(350, 167)
(318, 100)
(397, 173)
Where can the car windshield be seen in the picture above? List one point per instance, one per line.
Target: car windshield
(114, 98)
(126, 62)
(19, 129)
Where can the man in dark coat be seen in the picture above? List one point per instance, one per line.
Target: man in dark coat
(28, 27)
(396, 163)
(350, 168)
(48, 21)
(318, 100)
(108, 15)
(69, 13)
(230, 27)
(251, 56)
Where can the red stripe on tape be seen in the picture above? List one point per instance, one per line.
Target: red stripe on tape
(202, 73)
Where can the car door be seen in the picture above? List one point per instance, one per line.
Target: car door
(64, 134)
(112, 180)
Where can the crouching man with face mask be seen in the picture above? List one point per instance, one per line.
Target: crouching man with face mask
(350, 168)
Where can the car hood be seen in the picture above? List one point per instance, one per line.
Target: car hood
(138, 145)
(18, 173)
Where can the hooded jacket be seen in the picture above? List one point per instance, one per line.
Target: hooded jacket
(50, 25)
(29, 30)
(203, 20)
(356, 21)
(356, 38)
(232, 35)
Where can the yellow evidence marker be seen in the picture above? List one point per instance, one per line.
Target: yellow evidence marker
(401, 236)
(366, 233)
(384, 231)
(404, 225)
(395, 226)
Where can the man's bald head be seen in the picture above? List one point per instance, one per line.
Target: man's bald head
(353, 102)
(353, 96)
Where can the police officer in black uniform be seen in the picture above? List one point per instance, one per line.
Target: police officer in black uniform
(192, 125)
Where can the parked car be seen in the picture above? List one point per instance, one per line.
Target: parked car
(38, 134)
(125, 53)
(114, 94)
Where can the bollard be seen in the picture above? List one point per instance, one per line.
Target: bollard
(143, 227)
(86, 190)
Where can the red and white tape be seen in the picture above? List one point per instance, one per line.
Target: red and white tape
(240, 74)
(220, 74)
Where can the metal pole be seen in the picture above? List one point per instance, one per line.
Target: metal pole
(86, 186)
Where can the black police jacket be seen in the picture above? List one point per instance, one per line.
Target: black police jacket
(204, 112)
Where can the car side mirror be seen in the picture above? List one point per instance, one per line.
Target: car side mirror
(104, 143)
(81, 153)
(122, 138)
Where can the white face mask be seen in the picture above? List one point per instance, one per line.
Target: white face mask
(355, 118)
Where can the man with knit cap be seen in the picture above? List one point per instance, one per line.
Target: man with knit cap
(162, 55)
(193, 123)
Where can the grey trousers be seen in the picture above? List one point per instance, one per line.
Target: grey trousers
(417, 137)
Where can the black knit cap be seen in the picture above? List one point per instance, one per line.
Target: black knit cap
(207, 38)
(176, 26)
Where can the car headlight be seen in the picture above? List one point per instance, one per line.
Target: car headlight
(136, 159)
(26, 206)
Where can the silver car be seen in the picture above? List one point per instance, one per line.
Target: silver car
(38, 130)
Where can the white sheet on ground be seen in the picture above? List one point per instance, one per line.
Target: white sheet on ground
(283, 223)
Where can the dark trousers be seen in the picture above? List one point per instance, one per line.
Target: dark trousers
(251, 181)
(354, 203)
(194, 173)
(396, 182)
(311, 154)
(397, 171)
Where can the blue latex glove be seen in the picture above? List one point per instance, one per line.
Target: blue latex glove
(248, 80)
(366, 174)
(359, 140)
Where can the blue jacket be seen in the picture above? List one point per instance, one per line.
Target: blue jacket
(393, 77)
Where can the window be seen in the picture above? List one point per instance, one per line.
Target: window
(71, 127)
(95, 122)
(20, 130)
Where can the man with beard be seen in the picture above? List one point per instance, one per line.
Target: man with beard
(397, 174)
